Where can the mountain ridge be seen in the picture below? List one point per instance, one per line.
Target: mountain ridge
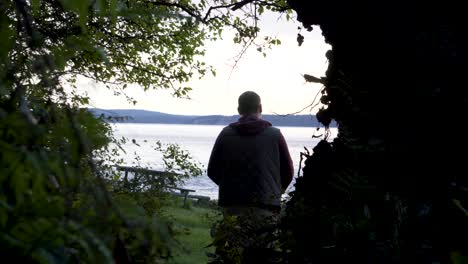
(155, 117)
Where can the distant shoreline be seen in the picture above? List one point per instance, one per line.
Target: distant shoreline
(153, 117)
(133, 123)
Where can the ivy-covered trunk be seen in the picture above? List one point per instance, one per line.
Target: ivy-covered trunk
(391, 188)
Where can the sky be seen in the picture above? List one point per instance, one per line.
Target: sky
(277, 78)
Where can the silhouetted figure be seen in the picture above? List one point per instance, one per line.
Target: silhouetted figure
(251, 164)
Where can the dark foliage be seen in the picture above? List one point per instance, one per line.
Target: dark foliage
(391, 188)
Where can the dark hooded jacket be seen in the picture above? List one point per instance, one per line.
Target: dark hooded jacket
(251, 164)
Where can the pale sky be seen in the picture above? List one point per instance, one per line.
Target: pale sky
(276, 78)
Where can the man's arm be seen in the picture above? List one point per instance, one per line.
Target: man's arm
(214, 169)
(286, 164)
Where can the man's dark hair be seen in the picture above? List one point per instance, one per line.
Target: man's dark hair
(248, 103)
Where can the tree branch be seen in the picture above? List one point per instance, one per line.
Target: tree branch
(311, 105)
(185, 8)
(278, 8)
(222, 6)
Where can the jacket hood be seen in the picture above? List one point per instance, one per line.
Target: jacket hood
(250, 125)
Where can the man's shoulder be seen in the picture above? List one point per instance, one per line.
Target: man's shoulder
(273, 129)
(227, 130)
(271, 132)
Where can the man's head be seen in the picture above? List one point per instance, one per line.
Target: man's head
(249, 103)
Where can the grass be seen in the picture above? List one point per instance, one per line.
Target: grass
(193, 225)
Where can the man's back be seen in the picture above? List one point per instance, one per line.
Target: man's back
(250, 168)
(250, 162)
(246, 163)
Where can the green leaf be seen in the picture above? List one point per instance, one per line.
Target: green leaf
(102, 53)
(80, 7)
(261, 9)
(35, 7)
(7, 36)
(44, 256)
(458, 258)
(113, 6)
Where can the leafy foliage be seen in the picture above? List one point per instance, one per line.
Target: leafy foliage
(385, 190)
(248, 238)
(56, 203)
(178, 161)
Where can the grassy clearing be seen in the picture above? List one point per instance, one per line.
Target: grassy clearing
(193, 226)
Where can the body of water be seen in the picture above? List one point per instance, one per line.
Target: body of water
(198, 140)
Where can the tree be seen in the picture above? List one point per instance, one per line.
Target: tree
(388, 188)
(55, 205)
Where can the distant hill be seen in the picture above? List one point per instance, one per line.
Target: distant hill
(144, 116)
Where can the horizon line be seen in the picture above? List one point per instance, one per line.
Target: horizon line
(130, 109)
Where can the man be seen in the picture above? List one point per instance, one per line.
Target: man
(251, 164)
